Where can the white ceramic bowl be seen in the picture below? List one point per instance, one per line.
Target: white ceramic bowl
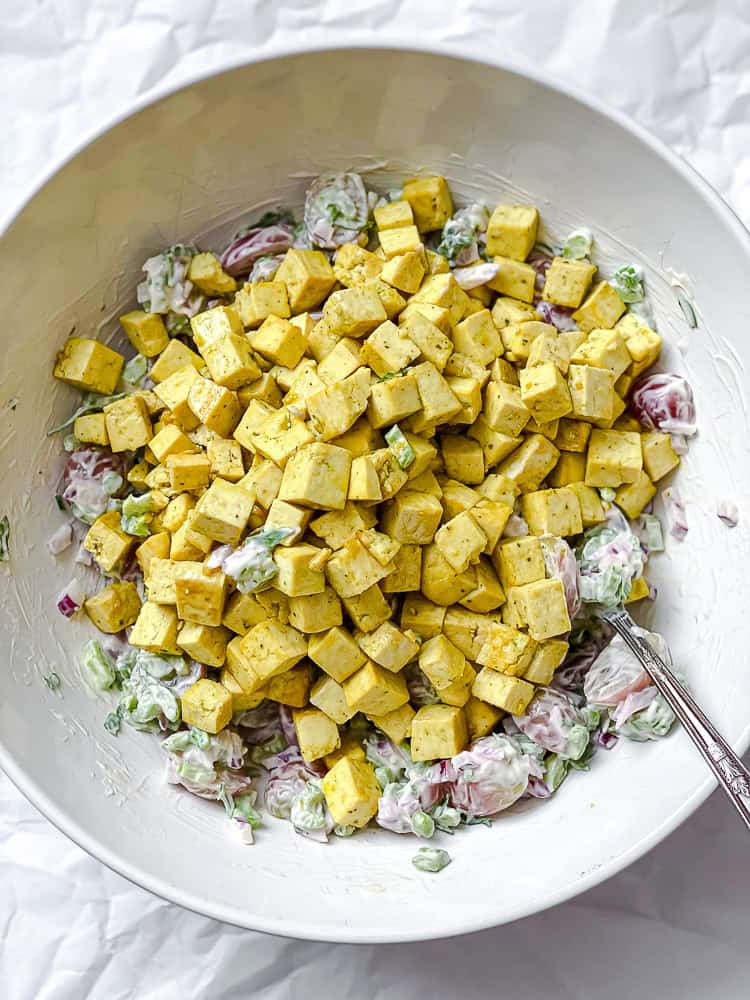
(188, 167)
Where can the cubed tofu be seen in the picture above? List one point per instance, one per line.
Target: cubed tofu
(300, 570)
(107, 542)
(488, 594)
(328, 695)
(317, 734)
(430, 201)
(155, 629)
(463, 459)
(230, 361)
(206, 272)
(369, 609)
(633, 497)
(412, 518)
(393, 215)
(518, 338)
(552, 512)
(401, 241)
(89, 366)
(392, 400)
(258, 300)
(272, 648)
(519, 561)
(425, 454)
(438, 731)
(351, 792)
(477, 338)
(389, 647)
(572, 435)
(91, 428)
(404, 271)
(128, 424)
(317, 476)
(279, 341)
(468, 391)
(223, 511)
(458, 692)
(508, 311)
(549, 347)
(241, 612)
(407, 573)
(613, 458)
(457, 497)
(145, 331)
(601, 308)
(638, 591)
(504, 409)
(287, 515)
(592, 511)
(114, 608)
(188, 472)
(492, 517)
(264, 389)
(391, 477)
(643, 343)
(570, 468)
(201, 599)
(422, 616)
(216, 408)
(465, 367)
(263, 481)
(530, 463)
(659, 457)
(460, 541)
(512, 694)
(567, 281)
(438, 316)
(308, 277)
(344, 360)
(392, 300)
(336, 408)
(481, 717)
(495, 445)
(292, 688)
(603, 349)
(389, 349)
(441, 661)
(174, 357)
(174, 392)
(170, 440)
(215, 323)
(225, 459)
(514, 279)
(337, 527)
(374, 690)
(315, 613)
(381, 546)
(360, 439)
(207, 705)
(508, 649)
(543, 607)
(242, 701)
(353, 265)
(592, 392)
(499, 488)
(444, 291)
(544, 392)
(431, 341)
(547, 658)
(204, 643)
(352, 569)
(441, 584)
(154, 547)
(439, 404)
(161, 583)
(337, 653)
(354, 312)
(397, 724)
(512, 231)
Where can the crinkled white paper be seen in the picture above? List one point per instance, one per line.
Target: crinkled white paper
(674, 926)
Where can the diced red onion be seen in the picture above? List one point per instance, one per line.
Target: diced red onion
(473, 277)
(71, 599)
(467, 256)
(675, 511)
(557, 316)
(61, 539)
(242, 252)
(663, 402)
(728, 513)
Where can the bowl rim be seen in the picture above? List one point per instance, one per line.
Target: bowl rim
(293, 928)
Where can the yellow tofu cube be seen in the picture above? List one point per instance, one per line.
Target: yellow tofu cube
(161, 585)
(439, 404)
(336, 408)
(488, 593)
(392, 301)
(255, 302)
(659, 457)
(128, 424)
(504, 409)
(481, 717)
(206, 273)
(113, 608)
(89, 366)
(389, 647)
(391, 477)
(215, 323)
(300, 570)
(317, 734)
(174, 391)
(407, 573)
(458, 692)
(343, 361)
(468, 630)
(547, 658)
(592, 392)
(354, 312)
(638, 590)
(477, 338)
(518, 337)
(328, 695)
(529, 464)
(271, 648)
(393, 215)
(241, 612)
(570, 468)
(460, 541)
(438, 731)
(549, 347)
(155, 629)
(457, 498)
(519, 561)
(430, 201)
(207, 705)
(603, 349)
(463, 459)
(397, 724)
(441, 661)
(592, 511)
(170, 440)
(360, 439)
(443, 291)
(292, 688)
(441, 584)
(412, 518)
(317, 476)
(544, 392)
(432, 342)
(286, 515)
(507, 311)
(552, 512)
(375, 690)
(633, 497)
(225, 458)
(512, 231)
(315, 613)
(276, 436)
(643, 343)
(368, 609)
(353, 569)
(264, 390)
(422, 616)
(107, 542)
(494, 444)
(336, 653)
(174, 357)
(512, 694)
(613, 458)
(543, 609)
(308, 278)
(499, 488)
(337, 527)
(567, 281)
(91, 429)
(279, 341)
(201, 599)
(404, 271)
(223, 511)
(188, 472)
(572, 435)
(393, 400)
(508, 649)
(204, 643)
(389, 349)
(601, 308)
(154, 547)
(468, 391)
(230, 361)
(514, 279)
(241, 701)
(145, 331)
(353, 265)
(352, 792)
(492, 517)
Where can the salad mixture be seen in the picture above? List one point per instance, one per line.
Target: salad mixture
(354, 503)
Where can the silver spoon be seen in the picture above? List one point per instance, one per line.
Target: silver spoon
(731, 773)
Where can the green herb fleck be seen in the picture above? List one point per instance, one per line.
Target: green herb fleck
(52, 680)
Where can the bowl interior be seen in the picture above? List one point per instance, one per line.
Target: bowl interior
(194, 166)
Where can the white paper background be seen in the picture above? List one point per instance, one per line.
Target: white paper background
(675, 925)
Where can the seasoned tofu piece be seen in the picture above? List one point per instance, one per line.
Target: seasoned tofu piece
(544, 392)
(633, 497)
(145, 331)
(592, 392)
(643, 343)
(292, 688)
(242, 611)
(188, 472)
(107, 542)
(567, 281)
(507, 649)
(492, 517)
(391, 477)
(552, 512)
(154, 547)
(463, 459)
(495, 445)
(572, 435)
(405, 271)
(174, 392)
(114, 608)
(91, 428)
(529, 464)
(518, 338)
(389, 349)
(444, 291)
(393, 400)
(519, 561)
(316, 612)
(477, 338)
(354, 312)
(241, 701)
(429, 338)
(659, 457)
(422, 616)
(514, 279)
(374, 690)
(300, 570)
(343, 361)
(396, 724)
(339, 526)
(155, 629)
(601, 308)
(407, 573)
(507, 310)
(389, 647)
(488, 594)
(353, 265)
(468, 391)
(430, 201)
(89, 366)
(201, 599)
(360, 439)
(225, 458)
(592, 511)
(460, 541)
(547, 658)
(222, 513)
(317, 476)
(543, 608)
(603, 349)
(412, 518)
(214, 406)
(570, 468)
(272, 648)
(261, 299)
(230, 361)
(337, 653)
(287, 515)
(396, 242)
(438, 731)
(317, 734)
(328, 695)
(174, 357)
(481, 717)
(368, 609)
(336, 408)
(351, 792)
(204, 643)
(352, 569)
(207, 705)
(613, 458)
(512, 694)
(512, 231)
(170, 440)
(549, 347)
(441, 584)
(308, 278)
(439, 404)
(213, 324)
(278, 436)
(504, 409)
(262, 481)
(380, 545)
(128, 424)
(393, 215)
(441, 661)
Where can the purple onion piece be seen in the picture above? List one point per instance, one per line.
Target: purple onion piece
(241, 254)
(727, 513)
